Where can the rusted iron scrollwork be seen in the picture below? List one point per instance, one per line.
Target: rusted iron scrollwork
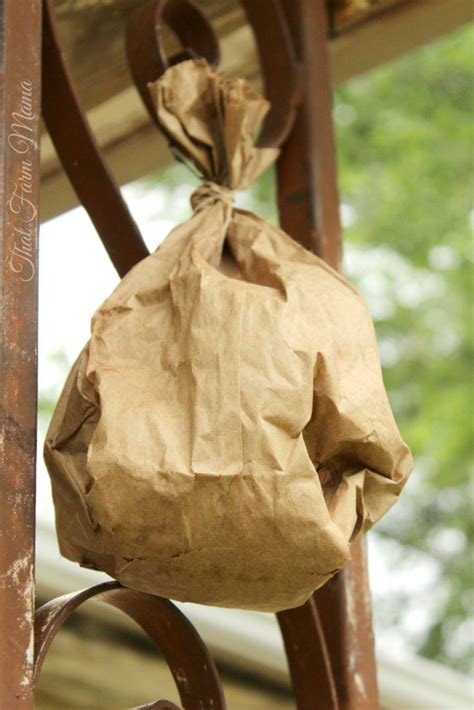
(81, 158)
(148, 61)
(192, 667)
(291, 37)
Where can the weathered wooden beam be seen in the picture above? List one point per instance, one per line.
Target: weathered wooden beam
(93, 39)
(394, 31)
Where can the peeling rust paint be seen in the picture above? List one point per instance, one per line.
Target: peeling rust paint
(19, 181)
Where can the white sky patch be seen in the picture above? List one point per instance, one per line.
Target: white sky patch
(344, 114)
(348, 215)
(443, 257)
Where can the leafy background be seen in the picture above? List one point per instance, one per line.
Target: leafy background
(405, 138)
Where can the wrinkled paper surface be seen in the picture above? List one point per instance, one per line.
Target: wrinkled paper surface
(225, 434)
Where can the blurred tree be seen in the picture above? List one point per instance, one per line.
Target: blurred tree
(405, 140)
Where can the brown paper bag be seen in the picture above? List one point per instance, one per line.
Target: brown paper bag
(225, 433)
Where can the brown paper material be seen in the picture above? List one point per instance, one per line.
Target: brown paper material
(225, 433)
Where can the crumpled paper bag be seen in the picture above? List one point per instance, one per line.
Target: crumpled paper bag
(225, 434)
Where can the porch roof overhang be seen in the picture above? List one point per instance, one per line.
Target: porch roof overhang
(367, 33)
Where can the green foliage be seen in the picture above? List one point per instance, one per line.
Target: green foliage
(405, 139)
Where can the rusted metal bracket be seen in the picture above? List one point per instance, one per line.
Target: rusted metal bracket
(280, 69)
(188, 659)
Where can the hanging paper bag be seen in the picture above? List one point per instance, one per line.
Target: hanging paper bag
(225, 434)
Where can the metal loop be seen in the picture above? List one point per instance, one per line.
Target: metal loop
(190, 663)
(147, 59)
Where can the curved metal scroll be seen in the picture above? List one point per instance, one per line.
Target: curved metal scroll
(281, 73)
(192, 667)
(146, 56)
(80, 155)
(147, 59)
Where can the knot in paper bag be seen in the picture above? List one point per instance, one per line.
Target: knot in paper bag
(212, 122)
(209, 193)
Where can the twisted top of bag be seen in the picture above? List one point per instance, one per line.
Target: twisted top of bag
(212, 121)
(210, 192)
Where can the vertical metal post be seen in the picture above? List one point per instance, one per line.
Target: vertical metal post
(345, 609)
(308, 197)
(308, 205)
(20, 59)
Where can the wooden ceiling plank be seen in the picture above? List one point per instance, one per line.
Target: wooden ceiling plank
(399, 29)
